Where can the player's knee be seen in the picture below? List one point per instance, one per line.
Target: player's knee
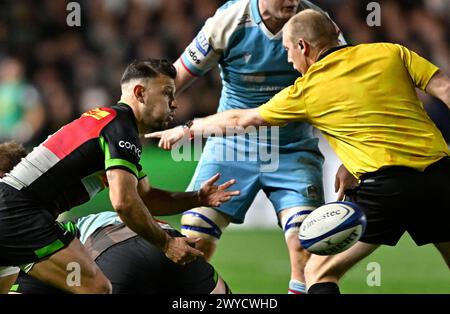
(205, 223)
(291, 219)
(98, 285)
(105, 286)
(221, 287)
(92, 281)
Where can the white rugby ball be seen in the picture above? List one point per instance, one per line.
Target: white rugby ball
(332, 228)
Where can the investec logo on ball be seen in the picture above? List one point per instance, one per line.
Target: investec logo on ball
(132, 147)
(326, 215)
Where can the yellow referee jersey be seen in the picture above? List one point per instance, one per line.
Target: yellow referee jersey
(363, 99)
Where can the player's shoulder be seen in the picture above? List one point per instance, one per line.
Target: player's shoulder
(123, 117)
(380, 48)
(228, 19)
(233, 12)
(233, 5)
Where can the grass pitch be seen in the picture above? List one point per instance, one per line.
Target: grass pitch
(257, 262)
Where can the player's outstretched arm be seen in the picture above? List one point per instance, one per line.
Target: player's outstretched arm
(165, 203)
(439, 86)
(222, 123)
(133, 212)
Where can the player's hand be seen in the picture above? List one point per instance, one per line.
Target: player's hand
(215, 195)
(344, 181)
(168, 138)
(180, 250)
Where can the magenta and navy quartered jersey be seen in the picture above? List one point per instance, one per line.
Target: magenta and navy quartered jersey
(69, 168)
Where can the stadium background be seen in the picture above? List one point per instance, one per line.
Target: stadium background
(50, 73)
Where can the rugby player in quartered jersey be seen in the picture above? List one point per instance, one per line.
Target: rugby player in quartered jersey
(99, 149)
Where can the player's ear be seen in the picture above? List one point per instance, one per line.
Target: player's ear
(138, 91)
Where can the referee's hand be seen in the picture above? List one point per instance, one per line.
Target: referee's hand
(344, 181)
(181, 250)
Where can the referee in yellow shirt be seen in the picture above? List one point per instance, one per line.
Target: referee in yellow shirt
(364, 101)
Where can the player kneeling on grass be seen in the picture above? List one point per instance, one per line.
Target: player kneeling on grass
(131, 263)
(100, 149)
(364, 101)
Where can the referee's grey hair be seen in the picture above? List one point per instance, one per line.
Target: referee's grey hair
(314, 27)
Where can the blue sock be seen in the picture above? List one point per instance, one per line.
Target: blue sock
(296, 287)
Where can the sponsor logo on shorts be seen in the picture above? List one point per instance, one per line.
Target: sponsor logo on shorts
(202, 44)
(132, 147)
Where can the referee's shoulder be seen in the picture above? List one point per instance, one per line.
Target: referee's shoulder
(380, 47)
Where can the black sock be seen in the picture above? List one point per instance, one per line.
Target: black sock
(324, 288)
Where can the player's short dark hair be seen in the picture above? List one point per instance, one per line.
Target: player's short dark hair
(10, 155)
(148, 69)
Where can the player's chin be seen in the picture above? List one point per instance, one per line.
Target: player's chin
(287, 13)
(165, 125)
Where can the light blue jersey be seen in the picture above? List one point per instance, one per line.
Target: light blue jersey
(252, 61)
(89, 224)
(253, 66)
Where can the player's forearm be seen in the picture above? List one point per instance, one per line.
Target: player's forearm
(439, 86)
(230, 121)
(446, 95)
(165, 203)
(137, 217)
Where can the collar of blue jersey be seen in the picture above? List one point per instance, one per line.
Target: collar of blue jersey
(255, 11)
(330, 51)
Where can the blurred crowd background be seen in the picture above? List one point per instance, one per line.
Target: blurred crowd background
(50, 73)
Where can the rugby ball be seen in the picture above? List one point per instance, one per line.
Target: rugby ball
(332, 228)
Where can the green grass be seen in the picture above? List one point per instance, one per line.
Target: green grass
(257, 262)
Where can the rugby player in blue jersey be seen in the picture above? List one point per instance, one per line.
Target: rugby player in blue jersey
(244, 39)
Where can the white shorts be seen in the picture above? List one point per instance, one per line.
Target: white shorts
(8, 271)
